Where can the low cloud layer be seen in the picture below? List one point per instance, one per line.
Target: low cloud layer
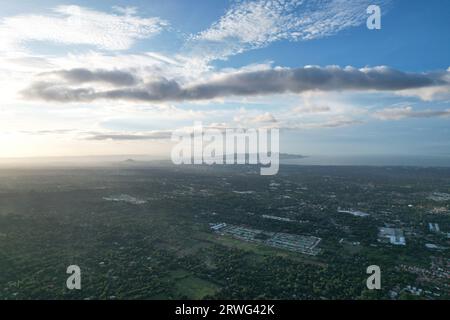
(155, 135)
(409, 112)
(241, 83)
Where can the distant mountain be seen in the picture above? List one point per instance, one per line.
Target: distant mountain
(285, 156)
(288, 156)
(281, 156)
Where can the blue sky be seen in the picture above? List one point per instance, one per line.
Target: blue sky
(111, 77)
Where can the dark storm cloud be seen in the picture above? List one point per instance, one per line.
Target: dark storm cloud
(50, 91)
(262, 82)
(80, 75)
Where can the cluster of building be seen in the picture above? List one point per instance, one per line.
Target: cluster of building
(439, 196)
(297, 243)
(266, 216)
(292, 242)
(125, 198)
(392, 235)
(434, 227)
(435, 272)
(355, 213)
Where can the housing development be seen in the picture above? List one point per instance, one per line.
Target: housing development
(296, 243)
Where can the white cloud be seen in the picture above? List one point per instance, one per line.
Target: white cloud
(330, 123)
(77, 25)
(153, 135)
(254, 24)
(312, 109)
(430, 93)
(408, 112)
(249, 22)
(246, 119)
(310, 106)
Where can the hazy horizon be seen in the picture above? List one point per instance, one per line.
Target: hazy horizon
(320, 160)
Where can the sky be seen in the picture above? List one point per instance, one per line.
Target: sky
(117, 77)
